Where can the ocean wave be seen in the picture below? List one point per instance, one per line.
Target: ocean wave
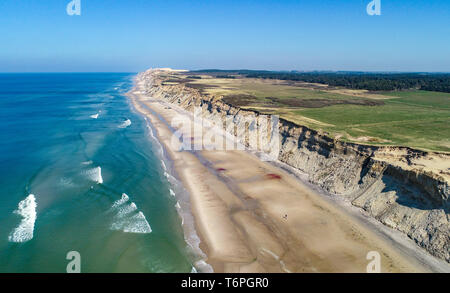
(150, 131)
(95, 174)
(203, 267)
(121, 201)
(138, 224)
(172, 193)
(27, 210)
(128, 218)
(126, 210)
(125, 124)
(156, 140)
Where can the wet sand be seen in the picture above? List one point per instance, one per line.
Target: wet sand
(252, 216)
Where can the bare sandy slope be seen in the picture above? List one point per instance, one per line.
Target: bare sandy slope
(252, 221)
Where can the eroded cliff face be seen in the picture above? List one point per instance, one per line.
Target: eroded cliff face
(397, 186)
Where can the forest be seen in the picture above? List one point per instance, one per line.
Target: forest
(439, 82)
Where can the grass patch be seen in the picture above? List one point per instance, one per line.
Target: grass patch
(418, 119)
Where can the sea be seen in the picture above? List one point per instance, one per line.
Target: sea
(82, 178)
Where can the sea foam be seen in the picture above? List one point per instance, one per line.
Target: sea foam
(138, 224)
(121, 201)
(95, 174)
(125, 124)
(27, 210)
(128, 219)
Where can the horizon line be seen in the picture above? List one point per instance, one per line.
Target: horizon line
(219, 69)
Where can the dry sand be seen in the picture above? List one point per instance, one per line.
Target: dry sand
(250, 221)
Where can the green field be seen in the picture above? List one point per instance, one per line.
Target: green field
(418, 119)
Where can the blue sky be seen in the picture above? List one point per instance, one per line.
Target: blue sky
(132, 35)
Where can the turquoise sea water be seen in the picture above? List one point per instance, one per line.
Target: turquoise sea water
(79, 172)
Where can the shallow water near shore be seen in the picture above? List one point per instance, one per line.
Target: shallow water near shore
(79, 172)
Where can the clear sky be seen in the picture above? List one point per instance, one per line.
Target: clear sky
(132, 35)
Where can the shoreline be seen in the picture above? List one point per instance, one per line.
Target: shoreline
(241, 231)
(178, 191)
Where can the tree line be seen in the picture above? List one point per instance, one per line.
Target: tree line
(353, 80)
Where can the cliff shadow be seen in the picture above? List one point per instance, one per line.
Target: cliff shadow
(411, 196)
(313, 144)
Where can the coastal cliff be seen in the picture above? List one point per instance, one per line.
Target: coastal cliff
(400, 187)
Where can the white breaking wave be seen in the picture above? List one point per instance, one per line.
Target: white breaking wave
(138, 224)
(172, 193)
(126, 210)
(95, 174)
(150, 131)
(125, 124)
(203, 267)
(95, 116)
(27, 210)
(99, 175)
(121, 201)
(126, 218)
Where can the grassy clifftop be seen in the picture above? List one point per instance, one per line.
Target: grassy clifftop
(413, 118)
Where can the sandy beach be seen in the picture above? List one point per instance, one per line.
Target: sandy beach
(252, 216)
